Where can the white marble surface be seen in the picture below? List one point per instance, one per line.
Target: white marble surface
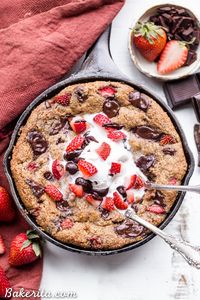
(152, 271)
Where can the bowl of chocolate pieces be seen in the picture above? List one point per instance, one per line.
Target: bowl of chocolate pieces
(164, 42)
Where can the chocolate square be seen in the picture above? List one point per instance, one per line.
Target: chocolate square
(196, 105)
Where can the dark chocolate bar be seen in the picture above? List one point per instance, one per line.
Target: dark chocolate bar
(180, 92)
(197, 140)
(196, 105)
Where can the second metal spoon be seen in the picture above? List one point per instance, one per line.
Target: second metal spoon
(180, 188)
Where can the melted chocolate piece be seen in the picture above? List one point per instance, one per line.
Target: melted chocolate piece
(59, 141)
(37, 142)
(80, 94)
(159, 199)
(64, 206)
(37, 189)
(57, 126)
(147, 132)
(169, 151)
(48, 176)
(72, 155)
(145, 162)
(121, 189)
(71, 167)
(104, 212)
(129, 229)
(111, 108)
(139, 100)
(113, 125)
(85, 183)
(101, 193)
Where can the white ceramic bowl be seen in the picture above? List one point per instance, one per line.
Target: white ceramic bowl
(150, 68)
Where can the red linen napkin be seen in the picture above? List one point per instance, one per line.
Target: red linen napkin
(40, 42)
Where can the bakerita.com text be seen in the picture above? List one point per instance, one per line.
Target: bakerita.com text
(30, 294)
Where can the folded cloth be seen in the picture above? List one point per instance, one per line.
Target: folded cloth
(40, 42)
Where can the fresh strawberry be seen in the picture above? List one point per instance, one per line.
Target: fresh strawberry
(25, 248)
(130, 196)
(78, 126)
(92, 201)
(32, 166)
(116, 135)
(76, 189)
(7, 212)
(104, 150)
(63, 100)
(2, 246)
(75, 144)
(58, 169)
(67, 223)
(107, 91)
(119, 202)
(135, 182)
(173, 57)
(53, 192)
(87, 168)
(115, 168)
(156, 209)
(150, 39)
(167, 139)
(101, 119)
(108, 203)
(4, 285)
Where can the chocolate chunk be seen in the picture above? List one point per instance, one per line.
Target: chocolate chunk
(169, 151)
(192, 56)
(186, 34)
(48, 176)
(121, 189)
(37, 142)
(71, 167)
(159, 199)
(129, 229)
(113, 125)
(101, 192)
(111, 108)
(164, 9)
(37, 189)
(85, 183)
(59, 141)
(104, 212)
(80, 94)
(57, 126)
(145, 162)
(197, 140)
(181, 91)
(196, 105)
(139, 100)
(72, 155)
(64, 206)
(147, 132)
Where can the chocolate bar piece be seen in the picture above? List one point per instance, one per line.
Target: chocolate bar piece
(181, 91)
(196, 105)
(197, 140)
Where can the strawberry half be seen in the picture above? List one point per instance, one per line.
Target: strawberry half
(115, 168)
(4, 285)
(135, 182)
(78, 126)
(75, 144)
(7, 211)
(130, 196)
(156, 209)
(92, 201)
(119, 202)
(67, 223)
(116, 135)
(87, 168)
(101, 119)
(104, 150)
(63, 100)
(167, 139)
(173, 57)
(107, 91)
(108, 203)
(76, 189)
(53, 192)
(2, 246)
(58, 169)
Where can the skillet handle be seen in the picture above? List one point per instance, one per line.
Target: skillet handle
(98, 59)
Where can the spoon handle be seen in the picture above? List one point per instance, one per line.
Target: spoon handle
(183, 188)
(190, 253)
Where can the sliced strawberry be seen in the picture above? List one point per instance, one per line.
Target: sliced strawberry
(67, 223)
(173, 57)
(104, 150)
(115, 168)
(130, 196)
(58, 169)
(108, 203)
(116, 135)
(101, 119)
(156, 209)
(87, 168)
(92, 201)
(173, 181)
(167, 139)
(135, 182)
(53, 192)
(63, 100)
(32, 166)
(78, 126)
(119, 202)
(76, 189)
(75, 144)
(107, 91)
(2, 246)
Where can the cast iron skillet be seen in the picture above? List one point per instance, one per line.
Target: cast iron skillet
(97, 66)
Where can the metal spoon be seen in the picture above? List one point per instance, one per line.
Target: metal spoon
(189, 252)
(183, 188)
